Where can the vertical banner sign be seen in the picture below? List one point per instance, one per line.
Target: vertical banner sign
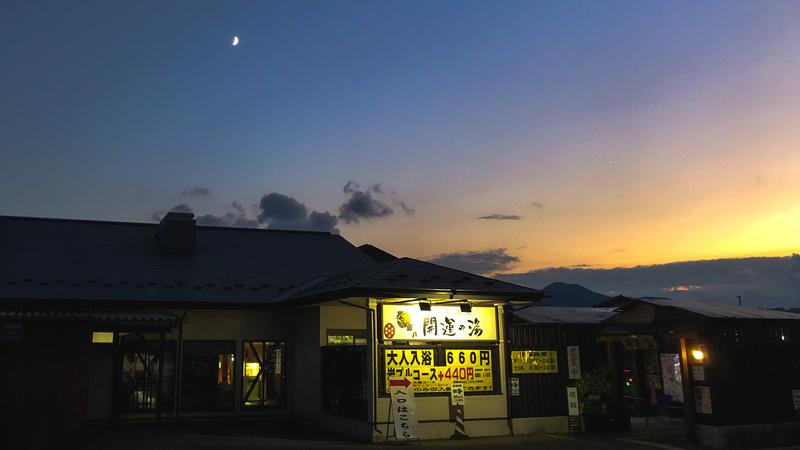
(404, 408)
(457, 400)
(514, 387)
(796, 399)
(652, 370)
(278, 361)
(574, 362)
(457, 393)
(572, 401)
(702, 400)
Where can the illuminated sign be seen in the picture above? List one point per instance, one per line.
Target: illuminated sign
(534, 361)
(406, 322)
(470, 367)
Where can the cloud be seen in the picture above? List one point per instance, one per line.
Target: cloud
(764, 282)
(483, 261)
(362, 205)
(183, 208)
(501, 217)
(279, 207)
(537, 205)
(279, 211)
(159, 214)
(196, 192)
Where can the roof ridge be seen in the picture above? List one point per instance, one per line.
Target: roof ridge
(154, 224)
(496, 280)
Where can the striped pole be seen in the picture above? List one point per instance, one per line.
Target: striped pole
(461, 431)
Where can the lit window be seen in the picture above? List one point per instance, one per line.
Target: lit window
(263, 375)
(102, 337)
(341, 340)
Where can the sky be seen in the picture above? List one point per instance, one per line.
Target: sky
(497, 136)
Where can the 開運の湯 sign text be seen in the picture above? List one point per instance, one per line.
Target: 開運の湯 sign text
(406, 322)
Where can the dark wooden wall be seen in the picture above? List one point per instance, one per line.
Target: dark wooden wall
(751, 372)
(546, 394)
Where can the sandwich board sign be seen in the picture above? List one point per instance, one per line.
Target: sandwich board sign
(404, 408)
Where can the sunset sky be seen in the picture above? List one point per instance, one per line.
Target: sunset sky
(587, 134)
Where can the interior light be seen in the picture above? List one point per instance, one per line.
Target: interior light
(102, 337)
(698, 355)
(424, 305)
(466, 307)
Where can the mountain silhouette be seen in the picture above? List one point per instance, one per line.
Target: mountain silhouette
(567, 294)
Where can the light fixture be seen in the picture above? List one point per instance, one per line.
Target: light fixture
(466, 307)
(424, 304)
(698, 355)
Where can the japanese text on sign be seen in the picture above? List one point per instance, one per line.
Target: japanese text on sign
(572, 401)
(471, 367)
(407, 322)
(404, 408)
(534, 361)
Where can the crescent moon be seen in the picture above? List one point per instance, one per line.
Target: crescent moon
(235, 40)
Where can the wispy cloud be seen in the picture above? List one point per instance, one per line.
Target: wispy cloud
(482, 261)
(501, 217)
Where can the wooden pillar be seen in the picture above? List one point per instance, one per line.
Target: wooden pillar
(688, 396)
(160, 385)
(621, 422)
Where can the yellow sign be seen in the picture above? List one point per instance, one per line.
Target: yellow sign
(406, 322)
(471, 367)
(534, 361)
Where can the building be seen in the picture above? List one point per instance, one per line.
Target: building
(550, 349)
(109, 321)
(732, 371)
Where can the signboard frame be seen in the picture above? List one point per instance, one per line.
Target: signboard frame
(413, 307)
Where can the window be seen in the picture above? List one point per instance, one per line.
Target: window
(207, 377)
(347, 337)
(102, 337)
(263, 379)
(138, 380)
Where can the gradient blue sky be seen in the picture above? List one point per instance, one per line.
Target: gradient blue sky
(620, 133)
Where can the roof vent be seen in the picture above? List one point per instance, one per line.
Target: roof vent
(176, 233)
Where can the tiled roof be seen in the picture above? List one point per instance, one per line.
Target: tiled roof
(412, 277)
(25, 314)
(564, 315)
(58, 259)
(720, 310)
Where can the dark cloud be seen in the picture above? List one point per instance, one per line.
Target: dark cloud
(765, 282)
(183, 208)
(280, 211)
(159, 214)
(406, 209)
(483, 262)
(537, 205)
(362, 205)
(501, 217)
(196, 192)
(279, 207)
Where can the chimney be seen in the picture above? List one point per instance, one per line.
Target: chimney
(176, 233)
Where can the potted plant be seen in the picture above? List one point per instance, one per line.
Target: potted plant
(594, 398)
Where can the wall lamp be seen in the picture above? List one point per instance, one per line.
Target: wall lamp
(698, 355)
(424, 304)
(466, 307)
